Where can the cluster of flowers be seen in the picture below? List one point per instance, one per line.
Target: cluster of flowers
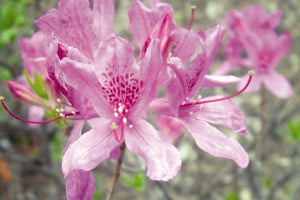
(253, 42)
(77, 67)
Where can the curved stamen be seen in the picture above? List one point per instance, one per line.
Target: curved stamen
(193, 8)
(114, 127)
(28, 121)
(224, 98)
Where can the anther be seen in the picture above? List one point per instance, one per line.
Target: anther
(116, 114)
(251, 72)
(62, 115)
(130, 126)
(114, 126)
(183, 103)
(124, 120)
(57, 110)
(193, 8)
(58, 100)
(121, 109)
(2, 98)
(62, 110)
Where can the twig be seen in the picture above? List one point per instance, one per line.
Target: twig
(164, 191)
(117, 171)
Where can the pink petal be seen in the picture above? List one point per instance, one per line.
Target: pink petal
(224, 68)
(254, 85)
(161, 107)
(212, 141)
(143, 19)
(185, 43)
(80, 185)
(75, 133)
(162, 159)
(273, 20)
(35, 113)
(34, 51)
(103, 18)
(282, 48)
(90, 149)
(225, 113)
(171, 128)
(278, 85)
(149, 66)
(254, 16)
(213, 39)
(75, 24)
(218, 81)
(82, 77)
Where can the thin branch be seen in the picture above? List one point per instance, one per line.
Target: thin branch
(117, 171)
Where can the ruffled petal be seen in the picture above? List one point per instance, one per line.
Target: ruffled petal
(142, 19)
(185, 43)
(212, 141)
(278, 85)
(81, 76)
(281, 49)
(80, 185)
(218, 81)
(254, 85)
(90, 149)
(35, 113)
(225, 113)
(162, 159)
(75, 133)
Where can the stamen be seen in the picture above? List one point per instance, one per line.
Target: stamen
(31, 122)
(114, 127)
(250, 73)
(193, 8)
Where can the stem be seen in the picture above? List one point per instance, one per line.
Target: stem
(116, 172)
(263, 118)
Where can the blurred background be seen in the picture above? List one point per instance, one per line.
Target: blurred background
(30, 157)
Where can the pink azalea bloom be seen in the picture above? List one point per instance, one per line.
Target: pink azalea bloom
(147, 24)
(171, 128)
(196, 116)
(75, 24)
(120, 90)
(252, 31)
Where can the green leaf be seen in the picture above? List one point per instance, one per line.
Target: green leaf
(5, 74)
(57, 147)
(38, 85)
(232, 196)
(294, 130)
(136, 181)
(8, 16)
(52, 113)
(266, 181)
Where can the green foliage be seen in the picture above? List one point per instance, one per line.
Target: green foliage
(52, 113)
(5, 74)
(98, 193)
(57, 147)
(38, 85)
(12, 18)
(232, 196)
(266, 181)
(294, 130)
(136, 181)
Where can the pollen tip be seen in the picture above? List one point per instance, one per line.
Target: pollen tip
(2, 98)
(58, 100)
(124, 120)
(250, 72)
(62, 115)
(193, 7)
(114, 126)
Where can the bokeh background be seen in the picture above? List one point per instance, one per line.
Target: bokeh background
(30, 157)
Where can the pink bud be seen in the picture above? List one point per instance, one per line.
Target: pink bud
(23, 94)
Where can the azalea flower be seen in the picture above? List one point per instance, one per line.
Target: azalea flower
(198, 48)
(120, 90)
(196, 114)
(252, 31)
